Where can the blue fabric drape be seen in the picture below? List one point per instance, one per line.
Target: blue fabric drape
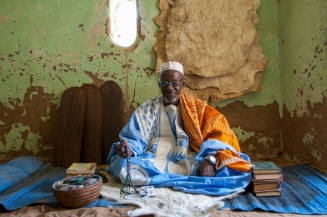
(27, 180)
(227, 180)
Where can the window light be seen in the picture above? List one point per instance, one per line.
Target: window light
(123, 22)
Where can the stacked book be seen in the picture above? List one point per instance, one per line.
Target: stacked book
(267, 179)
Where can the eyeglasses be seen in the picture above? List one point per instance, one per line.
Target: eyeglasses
(164, 84)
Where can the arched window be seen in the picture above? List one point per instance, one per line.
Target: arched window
(123, 22)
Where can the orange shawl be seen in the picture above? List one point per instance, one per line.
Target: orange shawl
(203, 122)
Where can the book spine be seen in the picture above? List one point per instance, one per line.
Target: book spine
(269, 190)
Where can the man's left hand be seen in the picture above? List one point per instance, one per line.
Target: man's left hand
(206, 169)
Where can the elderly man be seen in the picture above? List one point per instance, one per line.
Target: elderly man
(179, 141)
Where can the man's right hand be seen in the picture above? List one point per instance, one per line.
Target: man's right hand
(123, 149)
(206, 169)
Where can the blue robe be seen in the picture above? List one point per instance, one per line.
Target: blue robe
(162, 157)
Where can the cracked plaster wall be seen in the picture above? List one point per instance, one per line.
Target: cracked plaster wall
(47, 47)
(303, 53)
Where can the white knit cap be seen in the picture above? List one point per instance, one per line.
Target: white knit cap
(171, 65)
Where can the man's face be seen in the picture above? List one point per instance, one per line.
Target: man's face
(170, 92)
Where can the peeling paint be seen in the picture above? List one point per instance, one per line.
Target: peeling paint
(308, 138)
(316, 154)
(251, 147)
(242, 135)
(303, 80)
(67, 50)
(33, 142)
(266, 142)
(303, 50)
(303, 135)
(257, 128)
(45, 118)
(13, 139)
(23, 130)
(291, 158)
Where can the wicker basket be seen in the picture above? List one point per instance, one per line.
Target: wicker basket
(78, 197)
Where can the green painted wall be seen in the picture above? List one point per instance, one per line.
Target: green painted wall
(303, 53)
(47, 47)
(255, 116)
(303, 67)
(53, 42)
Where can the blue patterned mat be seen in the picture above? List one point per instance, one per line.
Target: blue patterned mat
(27, 180)
(304, 192)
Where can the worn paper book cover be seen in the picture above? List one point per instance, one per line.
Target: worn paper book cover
(265, 167)
(276, 176)
(270, 186)
(267, 181)
(267, 193)
(81, 168)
